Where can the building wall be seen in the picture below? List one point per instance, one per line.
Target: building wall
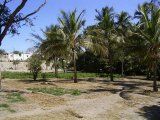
(22, 67)
(21, 57)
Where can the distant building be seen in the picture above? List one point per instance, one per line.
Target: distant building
(11, 56)
(20, 57)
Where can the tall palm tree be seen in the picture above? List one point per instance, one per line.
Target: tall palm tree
(106, 23)
(71, 24)
(148, 29)
(54, 47)
(123, 27)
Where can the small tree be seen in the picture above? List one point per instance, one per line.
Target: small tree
(15, 63)
(34, 65)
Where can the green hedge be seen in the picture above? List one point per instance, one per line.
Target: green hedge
(27, 75)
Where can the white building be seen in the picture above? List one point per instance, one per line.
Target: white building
(20, 57)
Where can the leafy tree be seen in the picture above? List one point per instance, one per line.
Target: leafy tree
(89, 62)
(71, 24)
(10, 20)
(148, 32)
(34, 65)
(54, 46)
(15, 63)
(106, 25)
(123, 25)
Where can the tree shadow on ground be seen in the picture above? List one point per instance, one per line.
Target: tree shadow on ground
(60, 80)
(113, 91)
(150, 112)
(136, 77)
(29, 81)
(129, 85)
(14, 91)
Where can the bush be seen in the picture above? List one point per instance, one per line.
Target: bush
(15, 97)
(75, 92)
(88, 62)
(34, 65)
(3, 105)
(56, 91)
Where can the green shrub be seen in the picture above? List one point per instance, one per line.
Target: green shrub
(34, 65)
(3, 105)
(15, 97)
(56, 91)
(53, 91)
(75, 92)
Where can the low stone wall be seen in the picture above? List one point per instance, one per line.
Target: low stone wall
(22, 66)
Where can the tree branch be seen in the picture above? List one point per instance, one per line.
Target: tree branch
(11, 20)
(30, 14)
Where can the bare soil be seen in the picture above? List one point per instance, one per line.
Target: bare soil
(125, 99)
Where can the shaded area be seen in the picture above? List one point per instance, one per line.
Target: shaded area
(151, 112)
(113, 91)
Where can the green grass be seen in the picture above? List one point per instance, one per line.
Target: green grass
(15, 97)
(56, 91)
(16, 75)
(75, 92)
(3, 105)
(27, 75)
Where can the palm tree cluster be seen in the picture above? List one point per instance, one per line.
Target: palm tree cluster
(129, 44)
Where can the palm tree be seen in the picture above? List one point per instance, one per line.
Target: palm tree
(54, 47)
(123, 27)
(94, 41)
(71, 24)
(148, 30)
(106, 23)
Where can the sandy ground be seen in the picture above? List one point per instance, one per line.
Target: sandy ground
(124, 99)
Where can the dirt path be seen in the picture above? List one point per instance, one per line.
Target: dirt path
(100, 102)
(87, 108)
(106, 107)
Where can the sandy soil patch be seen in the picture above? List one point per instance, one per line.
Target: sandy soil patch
(124, 99)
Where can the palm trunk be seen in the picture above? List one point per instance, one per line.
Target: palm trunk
(56, 71)
(110, 63)
(35, 76)
(56, 68)
(63, 66)
(122, 74)
(111, 75)
(155, 88)
(75, 68)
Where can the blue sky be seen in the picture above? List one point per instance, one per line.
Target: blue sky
(48, 15)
